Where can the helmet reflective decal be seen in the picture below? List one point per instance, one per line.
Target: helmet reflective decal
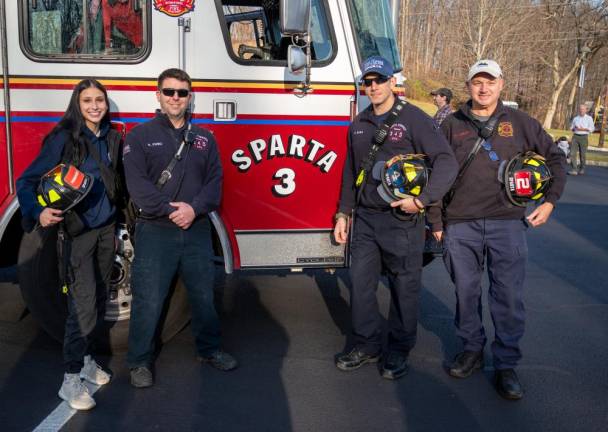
(526, 178)
(74, 178)
(53, 196)
(522, 183)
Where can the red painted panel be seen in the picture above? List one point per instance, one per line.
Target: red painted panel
(250, 202)
(27, 140)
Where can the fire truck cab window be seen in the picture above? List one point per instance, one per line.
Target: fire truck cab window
(253, 33)
(85, 29)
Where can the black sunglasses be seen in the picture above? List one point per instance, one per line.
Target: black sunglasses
(378, 80)
(169, 92)
(491, 153)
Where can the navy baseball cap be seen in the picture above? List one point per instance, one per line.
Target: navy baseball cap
(377, 64)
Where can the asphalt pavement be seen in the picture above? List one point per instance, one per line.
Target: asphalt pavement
(286, 328)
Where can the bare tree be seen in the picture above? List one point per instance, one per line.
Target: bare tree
(587, 22)
(539, 43)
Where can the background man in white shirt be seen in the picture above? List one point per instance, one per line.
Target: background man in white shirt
(581, 126)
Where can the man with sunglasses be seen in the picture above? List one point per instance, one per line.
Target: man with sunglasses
(387, 237)
(480, 225)
(172, 232)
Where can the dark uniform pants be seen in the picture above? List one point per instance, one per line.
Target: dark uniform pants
(91, 259)
(382, 241)
(161, 252)
(502, 245)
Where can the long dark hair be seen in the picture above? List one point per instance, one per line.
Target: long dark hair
(73, 122)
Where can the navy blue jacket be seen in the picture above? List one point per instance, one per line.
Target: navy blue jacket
(196, 179)
(95, 209)
(412, 132)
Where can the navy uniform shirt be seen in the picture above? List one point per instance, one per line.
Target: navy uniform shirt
(412, 132)
(196, 179)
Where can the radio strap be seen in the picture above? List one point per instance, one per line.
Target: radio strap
(484, 132)
(165, 175)
(133, 210)
(379, 137)
(64, 251)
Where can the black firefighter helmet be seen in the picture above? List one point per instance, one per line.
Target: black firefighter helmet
(63, 187)
(403, 176)
(526, 178)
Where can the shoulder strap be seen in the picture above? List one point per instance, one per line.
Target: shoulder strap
(113, 139)
(484, 132)
(165, 175)
(379, 137)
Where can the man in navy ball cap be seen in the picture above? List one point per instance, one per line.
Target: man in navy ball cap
(378, 65)
(386, 236)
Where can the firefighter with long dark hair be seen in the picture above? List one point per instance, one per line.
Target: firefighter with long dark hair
(84, 143)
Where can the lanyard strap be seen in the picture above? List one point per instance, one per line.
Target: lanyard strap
(485, 132)
(379, 137)
(165, 175)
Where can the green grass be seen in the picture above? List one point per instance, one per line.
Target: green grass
(427, 107)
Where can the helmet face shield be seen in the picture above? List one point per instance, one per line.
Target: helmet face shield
(63, 187)
(526, 178)
(402, 176)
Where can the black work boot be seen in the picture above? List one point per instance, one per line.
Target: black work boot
(465, 363)
(142, 377)
(355, 359)
(395, 366)
(508, 385)
(220, 360)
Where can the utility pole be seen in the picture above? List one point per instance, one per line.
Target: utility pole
(584, 51)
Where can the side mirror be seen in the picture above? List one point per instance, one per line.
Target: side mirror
(296, 59)
(295, 16)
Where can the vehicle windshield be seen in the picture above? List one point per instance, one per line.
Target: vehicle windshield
(373, 29)
(255, 34)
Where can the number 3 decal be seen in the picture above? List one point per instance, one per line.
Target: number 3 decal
(287, 184)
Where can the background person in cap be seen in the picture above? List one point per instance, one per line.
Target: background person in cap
(581, 126)
(381, 240)
(442, 98)
(479, 225)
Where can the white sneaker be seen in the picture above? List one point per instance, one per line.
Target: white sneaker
(93, 373)
(75, 393)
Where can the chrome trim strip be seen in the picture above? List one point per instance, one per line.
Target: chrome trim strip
(7, 99)
(224, 241)
(8, 215)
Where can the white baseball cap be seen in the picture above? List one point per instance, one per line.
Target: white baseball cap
(487, 66)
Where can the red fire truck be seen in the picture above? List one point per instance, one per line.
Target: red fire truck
(275, 81)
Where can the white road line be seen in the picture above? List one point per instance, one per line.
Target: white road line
(62, 414)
